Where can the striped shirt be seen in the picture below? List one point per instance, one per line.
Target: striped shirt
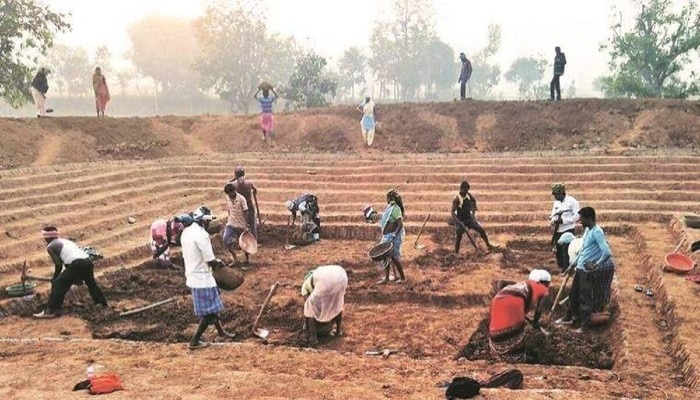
(266, 104)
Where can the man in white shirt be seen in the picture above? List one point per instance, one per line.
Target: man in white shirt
(78, 269)
(199, 260)
(562, 220)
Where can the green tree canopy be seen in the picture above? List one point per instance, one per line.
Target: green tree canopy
(27, 29)
(486, 73)
(527, 73)
(650, 58)
(310, 85)
(238, 52)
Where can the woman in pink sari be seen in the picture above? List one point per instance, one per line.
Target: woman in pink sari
(99, 84)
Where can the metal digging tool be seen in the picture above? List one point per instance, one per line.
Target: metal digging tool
(148, 307)
(420, 232)
(541, 329)
(26, 277)
(263, 333)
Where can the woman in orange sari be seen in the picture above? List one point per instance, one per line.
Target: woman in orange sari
(99, 85)
(508, 315)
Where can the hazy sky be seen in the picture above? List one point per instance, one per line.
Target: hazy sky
(330, 26)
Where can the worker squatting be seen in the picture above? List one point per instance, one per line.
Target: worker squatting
(587, 258)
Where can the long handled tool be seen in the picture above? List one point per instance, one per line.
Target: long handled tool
(148, 307)
(26, 277)
(288, 246)
(466, 230)
(568, 274)
(420, 232)
(261, 332)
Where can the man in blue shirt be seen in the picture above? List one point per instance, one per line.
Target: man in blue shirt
(590, 291)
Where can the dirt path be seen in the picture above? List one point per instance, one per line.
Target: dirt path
(49, 149)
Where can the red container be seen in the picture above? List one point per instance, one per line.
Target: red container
(679, 263)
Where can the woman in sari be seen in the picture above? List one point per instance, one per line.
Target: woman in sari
(393, 231)
(508, 315)
(324, 299)
(99, 85)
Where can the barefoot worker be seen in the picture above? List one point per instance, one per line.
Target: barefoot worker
(368, 122)
(199, 260)
(307, 206)
(508, 315)
(464, 211)
(267, 121)
(393, 231)
(99, 85)
(324, 292)
(237, 222)
(78, 269)
(250, 193)
(165, 234)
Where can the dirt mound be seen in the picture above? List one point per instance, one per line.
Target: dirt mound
(426, 127)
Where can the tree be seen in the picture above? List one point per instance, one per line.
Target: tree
(649, 59)
(399, 46)
(527, 73)
(71, 69)
(164, 49)
(352, 68)
(437, 69)
(310, 86)
(486, 74)
(238, 52)
(27, 29)
(103, 58)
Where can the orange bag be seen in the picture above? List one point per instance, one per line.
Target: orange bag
(105, 383)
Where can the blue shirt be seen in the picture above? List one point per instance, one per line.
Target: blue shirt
(594, 248)
(266, 103)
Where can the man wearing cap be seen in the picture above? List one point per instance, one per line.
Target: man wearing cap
(307, 205)
(250, 193)
(368, 121)
(464, 76)
(78, 269)
(199, 260)
(237, 222)
(562, 219)
(509, 310)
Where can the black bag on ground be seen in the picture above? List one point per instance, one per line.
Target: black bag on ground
(462, 388)
(695, 246)
(510, 378)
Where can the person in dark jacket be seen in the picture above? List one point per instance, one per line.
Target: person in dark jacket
(464, 211)
(40, 85)
(559, 64)
(464, 76)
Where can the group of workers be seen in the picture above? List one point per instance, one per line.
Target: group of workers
(324, 287)
(590, 260)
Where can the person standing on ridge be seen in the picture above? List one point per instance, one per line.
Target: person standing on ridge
(464, 76)
(267, 121)
(40, 85)
(559, 65)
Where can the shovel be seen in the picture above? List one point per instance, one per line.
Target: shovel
(263, 333)
(420, 232)
(288, 246)
(541, 329)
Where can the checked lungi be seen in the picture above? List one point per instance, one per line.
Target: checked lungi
(206, 301)
(594, 289)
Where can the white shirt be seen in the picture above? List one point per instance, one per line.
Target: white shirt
(66, 250)
(568, 217)
(196, 252)
(368, 108)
